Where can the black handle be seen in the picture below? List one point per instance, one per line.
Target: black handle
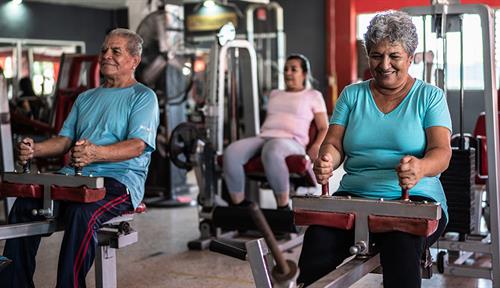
(228, 249)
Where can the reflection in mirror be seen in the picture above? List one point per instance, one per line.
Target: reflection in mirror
(36, 60)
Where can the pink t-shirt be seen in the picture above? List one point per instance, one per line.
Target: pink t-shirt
(289, 114)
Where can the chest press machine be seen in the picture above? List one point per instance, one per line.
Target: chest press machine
(115, 234)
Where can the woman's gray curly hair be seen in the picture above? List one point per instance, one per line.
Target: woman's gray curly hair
(394, 26)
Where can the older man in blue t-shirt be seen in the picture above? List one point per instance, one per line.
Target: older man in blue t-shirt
(110, 132)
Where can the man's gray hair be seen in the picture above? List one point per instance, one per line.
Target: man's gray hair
(394, 26)
(134, 41)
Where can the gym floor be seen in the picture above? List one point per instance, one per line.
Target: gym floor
(161, 258)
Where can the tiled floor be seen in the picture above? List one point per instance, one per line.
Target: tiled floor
(161, 259)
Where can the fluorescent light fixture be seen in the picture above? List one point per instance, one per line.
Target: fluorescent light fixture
(209, 4)
(17, 2)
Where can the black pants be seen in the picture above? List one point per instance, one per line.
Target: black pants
(325, 248)
(78, 248)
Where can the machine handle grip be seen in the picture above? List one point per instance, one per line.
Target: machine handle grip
(228, 249)
(78, 171)
(325, 189)
(27, 165)
(405, 194)
(263, 226)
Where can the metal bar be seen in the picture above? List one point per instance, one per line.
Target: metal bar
(6, 149)
(27, 229)
(53, 179)
(292, 243)
(212, 112)
(220, 99)
(48, 204)
(349, 273)
(263, 226)
(280, 36)
(256, 249)
(18, 69)
(491, 109)
(474, 272)
(366, 207)
(444, 21)
(461, 112)
(287, 245)
(44, 42)
(281, 44)
(121, 241)
(472, 246)
(250, 25)
(105, 267)
(463, 257)
(424, 44)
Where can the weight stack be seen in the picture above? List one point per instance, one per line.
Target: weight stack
(458, 183)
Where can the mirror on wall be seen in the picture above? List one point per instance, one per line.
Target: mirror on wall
(36, 62)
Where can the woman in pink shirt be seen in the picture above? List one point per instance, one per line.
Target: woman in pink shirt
(284, 132)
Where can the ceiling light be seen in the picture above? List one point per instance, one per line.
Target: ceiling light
(17, 2)
(209, 4)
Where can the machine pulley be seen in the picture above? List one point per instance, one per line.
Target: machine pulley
(182, 145)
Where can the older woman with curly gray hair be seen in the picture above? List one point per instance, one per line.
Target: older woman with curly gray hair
(393, 131)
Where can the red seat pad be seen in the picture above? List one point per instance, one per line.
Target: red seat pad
(329, 219)
(77, 194)
(20, 190)
(141, 208)
(415, 226)
(297, 164)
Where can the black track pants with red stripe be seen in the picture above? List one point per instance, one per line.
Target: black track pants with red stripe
(78, 248)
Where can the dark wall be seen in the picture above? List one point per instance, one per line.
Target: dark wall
(473, 106)
(58, 22)
(305, 34)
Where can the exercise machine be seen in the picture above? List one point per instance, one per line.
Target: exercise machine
(448, 18)
(263, 43)
(270, 269)
(200, 147)
(51, 188)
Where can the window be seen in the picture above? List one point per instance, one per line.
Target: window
(473, 53)
(43, 77)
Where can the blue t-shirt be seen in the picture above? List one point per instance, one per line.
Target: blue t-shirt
(375, 142)
(106, 116)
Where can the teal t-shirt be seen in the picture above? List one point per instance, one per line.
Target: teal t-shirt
(106, 116)
(375, 142)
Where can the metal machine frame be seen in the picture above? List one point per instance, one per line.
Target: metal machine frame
(115, 234)
(204, 158)
(492, 246)
(6, 149)
(364, 259)
(215, 105)
(280, 40)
